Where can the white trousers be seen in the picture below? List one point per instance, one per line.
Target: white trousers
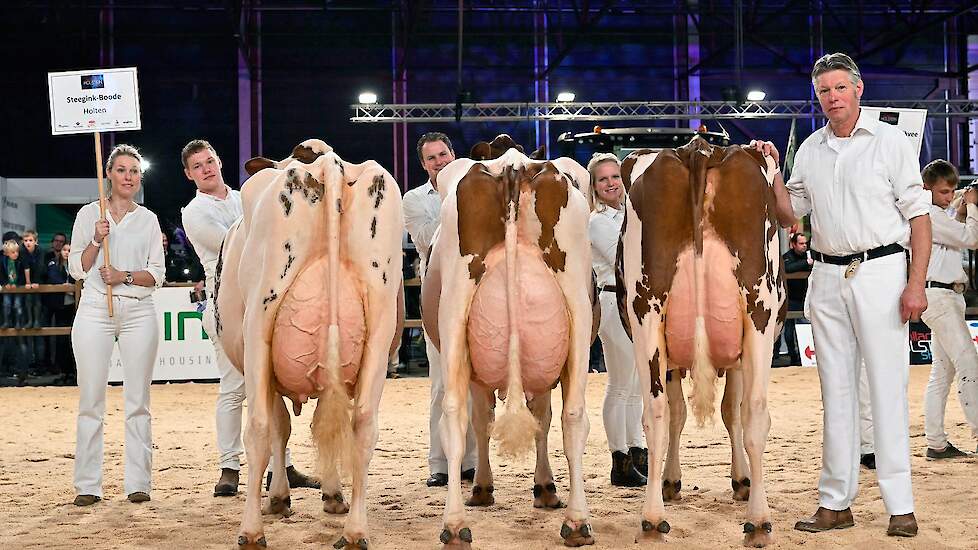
(954, 356)
(866, 441)
(437, 462)
(853, 317)
(93, 336)
(230, 400)
(622, 410)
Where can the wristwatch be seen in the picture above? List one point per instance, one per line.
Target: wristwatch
(128, 280)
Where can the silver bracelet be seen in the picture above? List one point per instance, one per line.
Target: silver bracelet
(95, 243)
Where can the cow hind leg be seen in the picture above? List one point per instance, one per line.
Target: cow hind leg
(544, 488)
(756, 425)
(732, 420)
(279, 502)
(483, 407)
(257, 440)
(652, 365)
(672, 475)
(332, 489)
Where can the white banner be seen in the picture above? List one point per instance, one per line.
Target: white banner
(919, 343)
(185, 351)
(911, 121)
(98, 100)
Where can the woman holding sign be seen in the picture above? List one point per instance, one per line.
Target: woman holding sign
(135, 271)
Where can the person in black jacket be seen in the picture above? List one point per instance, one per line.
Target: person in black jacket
(61, 308)
(796, 260)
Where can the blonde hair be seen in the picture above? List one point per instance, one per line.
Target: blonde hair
(30, 232)
(120, 150)
(10, 246)
(592, 165)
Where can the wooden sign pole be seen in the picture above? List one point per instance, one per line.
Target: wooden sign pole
(101, 208)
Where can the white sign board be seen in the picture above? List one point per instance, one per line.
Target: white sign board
(185, 352)
(98, 100)
(911, 121)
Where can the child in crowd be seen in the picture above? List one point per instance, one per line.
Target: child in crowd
(12, 275)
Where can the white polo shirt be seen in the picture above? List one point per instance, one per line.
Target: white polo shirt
(135, 244)
(206, 219)
(604, 228)
(422, 215)
(861, 190)
(950, 238)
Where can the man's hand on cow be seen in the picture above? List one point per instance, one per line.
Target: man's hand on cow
(767, 149)
(913, 302)
(101, 230)
(111, 275)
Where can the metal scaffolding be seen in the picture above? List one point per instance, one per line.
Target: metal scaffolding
(631, 110)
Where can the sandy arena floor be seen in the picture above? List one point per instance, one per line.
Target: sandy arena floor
(37, 446)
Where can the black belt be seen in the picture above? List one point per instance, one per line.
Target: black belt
(956, 287)
(878, 252)
(609, 288)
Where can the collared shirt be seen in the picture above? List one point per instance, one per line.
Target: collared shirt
(422, 215)
(861, 190)
(206, 219)
(950, 238)
(135, 244)
(604, 228)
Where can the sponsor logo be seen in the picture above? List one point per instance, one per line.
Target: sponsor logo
(890, 118)
(92, 82)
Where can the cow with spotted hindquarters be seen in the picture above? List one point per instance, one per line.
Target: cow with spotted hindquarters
(506, 300)
(309, 299)
(633, 168)
(702, 290)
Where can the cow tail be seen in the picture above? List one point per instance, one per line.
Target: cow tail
(515, 429)
(704, 375)
(332, 425)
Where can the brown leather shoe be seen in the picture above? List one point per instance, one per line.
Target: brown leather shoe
(825, 520)
(904, 525)
(227, 486)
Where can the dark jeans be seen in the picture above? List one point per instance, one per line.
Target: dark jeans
(790, 335)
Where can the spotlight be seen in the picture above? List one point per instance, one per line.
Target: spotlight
(565, 97)
(145, 164)
(756, 95)
(367, 98)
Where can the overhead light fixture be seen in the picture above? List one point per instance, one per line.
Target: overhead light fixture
(145, 164)
(565, 97)
(367, 98)
(756, 95)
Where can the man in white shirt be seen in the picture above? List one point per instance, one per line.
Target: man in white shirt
(422, 215)
(206, 219)
(859, 178)
(952, 348)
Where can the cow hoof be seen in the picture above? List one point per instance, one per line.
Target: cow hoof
(343, 544)
(545, 496)
(455, 541)
(278, 506)
(655, 532)
(481, 496)
(757, 536)
(581, 535)
(334, 504)
(248, 543)
(741, 489)
(670, 489)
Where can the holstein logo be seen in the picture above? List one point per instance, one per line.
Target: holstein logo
(182, 317)
(92, 82)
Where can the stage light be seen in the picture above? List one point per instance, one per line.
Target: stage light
(565, 97)
(367, 98)
(145, 165)
(756, 95)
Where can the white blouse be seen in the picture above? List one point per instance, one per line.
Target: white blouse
(135, 244)
(604, 228)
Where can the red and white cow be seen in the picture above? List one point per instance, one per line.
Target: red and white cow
(703, 290)
(506, 300)
(307, 305)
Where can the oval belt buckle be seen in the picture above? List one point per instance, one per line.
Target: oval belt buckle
(852, 267)
(958, 288)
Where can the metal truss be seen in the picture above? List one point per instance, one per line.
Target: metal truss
(632, 110)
